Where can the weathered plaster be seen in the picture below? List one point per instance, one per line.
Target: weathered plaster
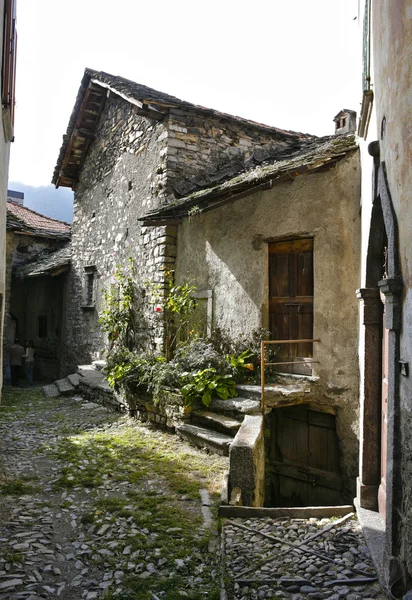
(226, 250)
(4, 173)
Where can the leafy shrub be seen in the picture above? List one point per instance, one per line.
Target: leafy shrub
(201, 385)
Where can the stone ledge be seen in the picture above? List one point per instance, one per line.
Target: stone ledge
(247, 461)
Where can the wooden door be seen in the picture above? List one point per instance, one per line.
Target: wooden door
(303, 459)
(384, 414)
(291, 297)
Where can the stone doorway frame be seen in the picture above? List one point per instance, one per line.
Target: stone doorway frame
(383, 231)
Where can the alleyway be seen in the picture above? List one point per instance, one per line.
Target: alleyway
(94, 505)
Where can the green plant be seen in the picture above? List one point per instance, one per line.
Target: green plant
(117, 315)
(200, 385)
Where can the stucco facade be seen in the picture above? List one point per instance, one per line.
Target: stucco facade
(6, 135)
(387, 215)
(226, 251)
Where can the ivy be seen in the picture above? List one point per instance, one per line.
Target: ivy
(117, 317)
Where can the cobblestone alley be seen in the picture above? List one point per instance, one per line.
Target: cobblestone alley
(95, 505)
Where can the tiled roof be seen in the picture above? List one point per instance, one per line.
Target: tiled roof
(47, 263)
(24, 220)
(317, 155)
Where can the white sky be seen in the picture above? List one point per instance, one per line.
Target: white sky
(289, 63)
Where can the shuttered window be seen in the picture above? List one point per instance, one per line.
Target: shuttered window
(9, 57)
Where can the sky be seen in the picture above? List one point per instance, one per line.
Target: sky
(289, 63)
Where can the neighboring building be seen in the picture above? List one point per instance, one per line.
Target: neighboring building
(229, 204)
(16, 197)
(8, 38)
(37, 261)
(385, 478)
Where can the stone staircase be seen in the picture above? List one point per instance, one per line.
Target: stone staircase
(213, 429)
(86, 374)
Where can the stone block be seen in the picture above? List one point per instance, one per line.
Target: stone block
(247, 461)
(50, 391)
(65, 387)
(74, 379)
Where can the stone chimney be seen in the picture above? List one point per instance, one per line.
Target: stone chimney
(345, 121)
(16, 197)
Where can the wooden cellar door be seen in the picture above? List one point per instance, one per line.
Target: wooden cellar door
(384, 417)
(303, 467)
(291, 298)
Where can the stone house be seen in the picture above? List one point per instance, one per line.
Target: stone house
(385, 466)
(128, 150)
(37, 262)
(8, 39)
(264, 221)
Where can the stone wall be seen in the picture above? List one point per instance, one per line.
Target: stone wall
(226, 251)
(133, 165)
(121, 179)
(203, 149)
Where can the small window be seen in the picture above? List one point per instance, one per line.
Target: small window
(42, 326)
(89, 285)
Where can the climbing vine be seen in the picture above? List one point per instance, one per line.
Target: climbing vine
(117, 318)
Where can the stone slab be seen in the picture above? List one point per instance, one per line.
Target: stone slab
(305, 512)
(201, 437)
(99, 364)
(237, 406)
(50, 391)
(216, 421)
(65, 387)
(74, 379)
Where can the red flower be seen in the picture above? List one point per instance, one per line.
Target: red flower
(158, 309)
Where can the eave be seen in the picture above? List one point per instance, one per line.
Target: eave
(318, 156)
(82, 135)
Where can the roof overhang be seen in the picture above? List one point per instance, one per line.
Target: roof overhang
(321, 155)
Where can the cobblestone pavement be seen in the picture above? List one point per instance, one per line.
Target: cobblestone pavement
(95, 505)
(298, 558)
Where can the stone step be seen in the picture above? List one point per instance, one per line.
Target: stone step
(99, 364)
(236, 407)
(50, 391)
(82, 369)
(253, 392)
(92, 379)
(65, 387)
(214, 441)
(74, 379)
(215, 421)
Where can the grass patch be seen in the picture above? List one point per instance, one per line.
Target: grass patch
(18, 487)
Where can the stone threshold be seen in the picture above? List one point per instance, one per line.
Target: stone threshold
(301, 512)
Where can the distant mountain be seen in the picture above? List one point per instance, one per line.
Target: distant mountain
(46, 200)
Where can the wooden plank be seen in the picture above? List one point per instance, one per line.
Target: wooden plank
(305, 473)
(291, 246)
(304, 512)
